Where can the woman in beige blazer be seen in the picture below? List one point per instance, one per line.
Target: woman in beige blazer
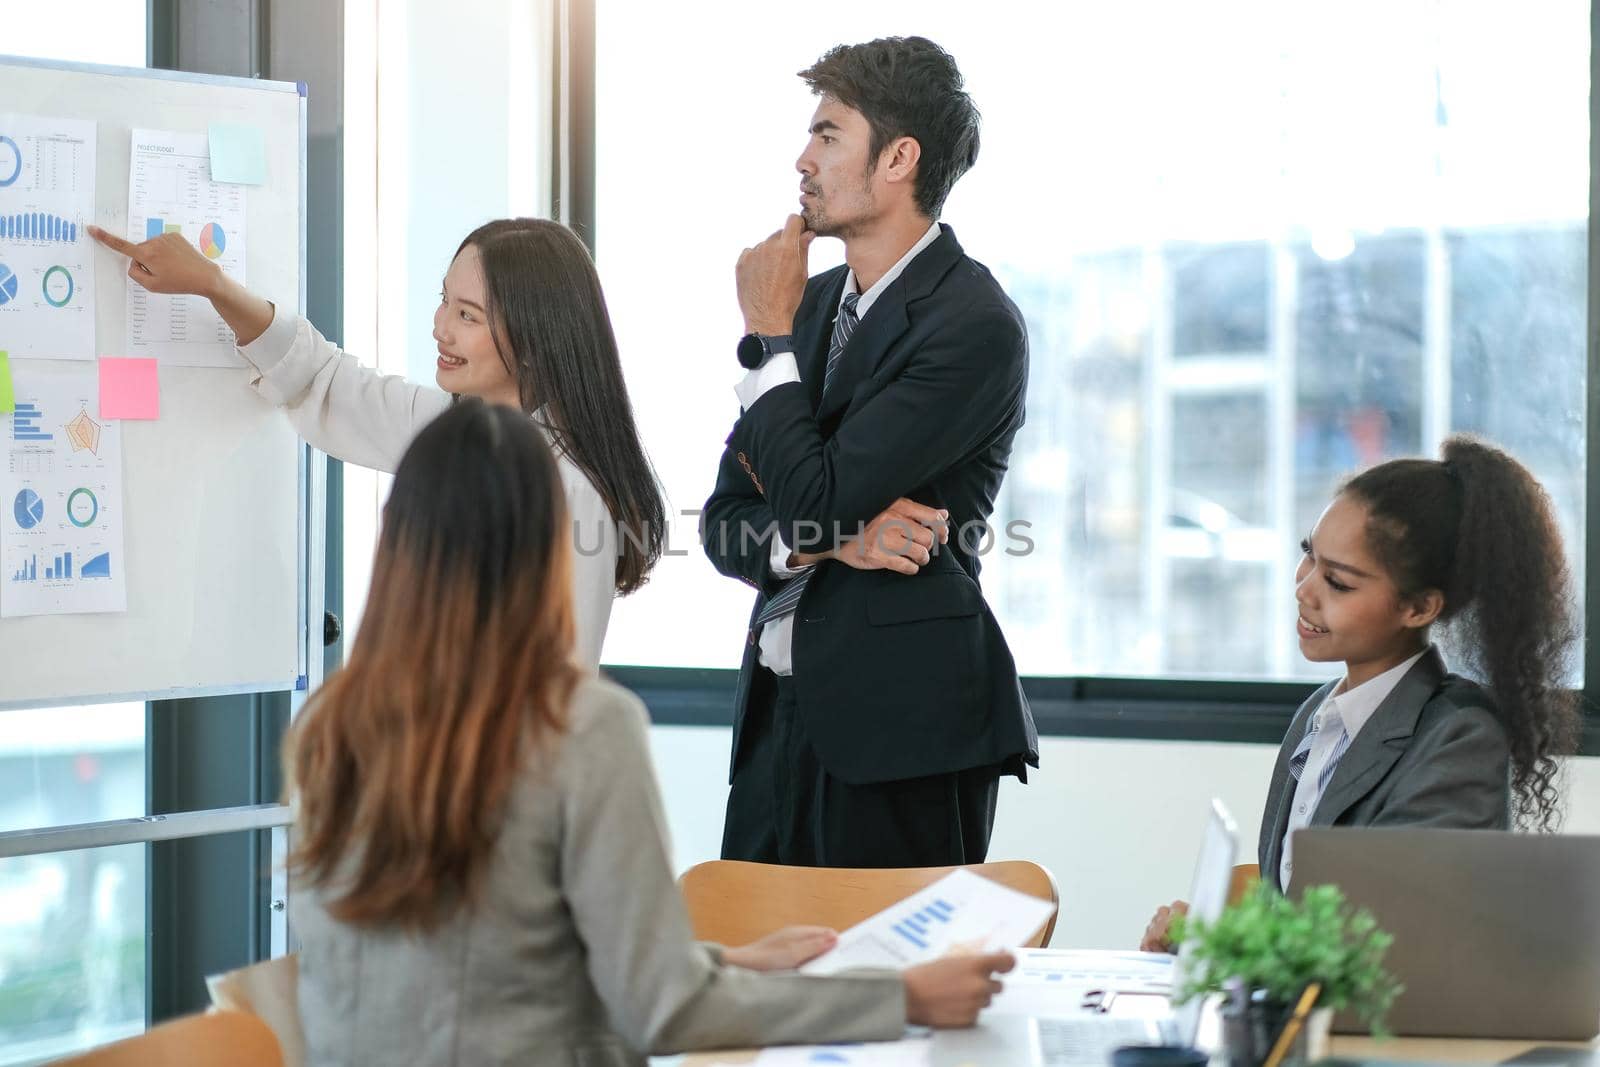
(521, 321)
(482, 872)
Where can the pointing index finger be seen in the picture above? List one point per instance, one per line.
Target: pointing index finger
(111, 241)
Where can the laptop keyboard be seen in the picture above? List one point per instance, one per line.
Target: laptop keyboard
(1069, 1042)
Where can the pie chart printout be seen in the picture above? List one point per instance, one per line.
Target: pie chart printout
(29, 509)
(213, 241)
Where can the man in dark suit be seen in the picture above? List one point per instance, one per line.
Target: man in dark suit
(878, 704)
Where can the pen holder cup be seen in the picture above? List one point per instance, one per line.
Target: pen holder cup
(1248, 1035)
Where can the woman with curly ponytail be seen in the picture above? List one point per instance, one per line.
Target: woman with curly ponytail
(1477, 531)
(1466, 545)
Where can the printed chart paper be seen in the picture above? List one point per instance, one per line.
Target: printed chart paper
(960, 913)
(908, 1052)
(46, 201)
(61, 491)
(170, 191)
(1050, 981)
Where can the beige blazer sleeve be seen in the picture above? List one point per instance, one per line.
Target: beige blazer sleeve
(355, 414)
(663, 991)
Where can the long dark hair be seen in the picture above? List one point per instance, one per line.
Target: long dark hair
(1479, 528)
(402, 762)
(548, 318)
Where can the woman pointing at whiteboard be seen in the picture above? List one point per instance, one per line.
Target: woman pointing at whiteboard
(521, 322)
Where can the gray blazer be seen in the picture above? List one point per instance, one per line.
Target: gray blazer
(1433, 754)
(578, 950)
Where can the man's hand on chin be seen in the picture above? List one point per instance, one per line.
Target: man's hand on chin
(772, 278)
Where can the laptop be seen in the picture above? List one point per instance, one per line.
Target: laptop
(1496, 934)
(1052, 1029)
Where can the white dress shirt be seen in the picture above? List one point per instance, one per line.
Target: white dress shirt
(777, 636)
(1338, 721)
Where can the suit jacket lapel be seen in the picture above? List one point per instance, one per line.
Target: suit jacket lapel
(886, 320)
(1382, 741)
(1281, 792)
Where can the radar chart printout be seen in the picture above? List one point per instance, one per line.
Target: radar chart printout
(46, 201)
(170, 191)
(61, 494)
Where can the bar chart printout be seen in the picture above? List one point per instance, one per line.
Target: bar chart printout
(961, 912)
(61, 485)
(47, 174)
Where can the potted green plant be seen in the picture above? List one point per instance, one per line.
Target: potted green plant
(1277, 946)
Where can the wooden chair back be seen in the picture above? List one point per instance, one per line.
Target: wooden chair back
(1245, 876)
(733, 902)
(214, 1039)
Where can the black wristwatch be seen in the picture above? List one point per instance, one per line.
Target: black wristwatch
(756, 348)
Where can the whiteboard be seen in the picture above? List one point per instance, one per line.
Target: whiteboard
(217, 492)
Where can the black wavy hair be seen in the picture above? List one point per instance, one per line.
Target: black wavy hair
(1478, 527)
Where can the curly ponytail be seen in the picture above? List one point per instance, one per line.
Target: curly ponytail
(1481, 529)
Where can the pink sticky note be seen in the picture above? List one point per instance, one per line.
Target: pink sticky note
(129, 389)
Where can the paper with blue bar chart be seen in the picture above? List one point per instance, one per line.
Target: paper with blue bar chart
(61, 490)
(170, 191)
(47, 172)
(960, 913)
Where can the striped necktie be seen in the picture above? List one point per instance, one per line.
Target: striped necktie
(1327, 718)
(844, 324)
(1302, 751)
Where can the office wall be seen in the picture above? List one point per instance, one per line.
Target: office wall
(1118, 822)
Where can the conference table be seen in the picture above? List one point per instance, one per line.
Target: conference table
(1408, 1049)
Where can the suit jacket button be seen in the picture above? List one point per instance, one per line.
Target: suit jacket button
(743, 459)
(750, 638)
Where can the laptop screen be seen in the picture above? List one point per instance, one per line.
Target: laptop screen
(1208, 895)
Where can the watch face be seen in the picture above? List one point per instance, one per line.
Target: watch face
(751, 352)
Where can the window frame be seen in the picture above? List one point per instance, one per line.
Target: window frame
(1130, 708)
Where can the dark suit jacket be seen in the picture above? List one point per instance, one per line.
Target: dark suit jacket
(1433, 754)
(895, 676)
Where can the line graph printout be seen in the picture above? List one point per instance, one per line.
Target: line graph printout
(961, 912)
(47, 172)
(60, 500)
(170, 191)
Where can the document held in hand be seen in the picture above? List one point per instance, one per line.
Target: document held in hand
(960, 913)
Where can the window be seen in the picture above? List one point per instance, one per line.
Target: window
(72, 945)
(1256, 251)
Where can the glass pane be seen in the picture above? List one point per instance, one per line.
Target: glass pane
(72, 944)
(60, 766)
(72, 951)
(78, 31)
(1246, 274)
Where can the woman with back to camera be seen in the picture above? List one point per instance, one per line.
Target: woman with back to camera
(481, 872)
(522, 322)
(1468, 543)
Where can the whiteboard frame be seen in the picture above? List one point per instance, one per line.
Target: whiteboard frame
(312, 475)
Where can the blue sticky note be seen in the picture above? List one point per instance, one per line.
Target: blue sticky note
(238, 153)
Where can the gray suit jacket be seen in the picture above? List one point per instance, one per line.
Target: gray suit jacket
(577, 951)
(1433, 754)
